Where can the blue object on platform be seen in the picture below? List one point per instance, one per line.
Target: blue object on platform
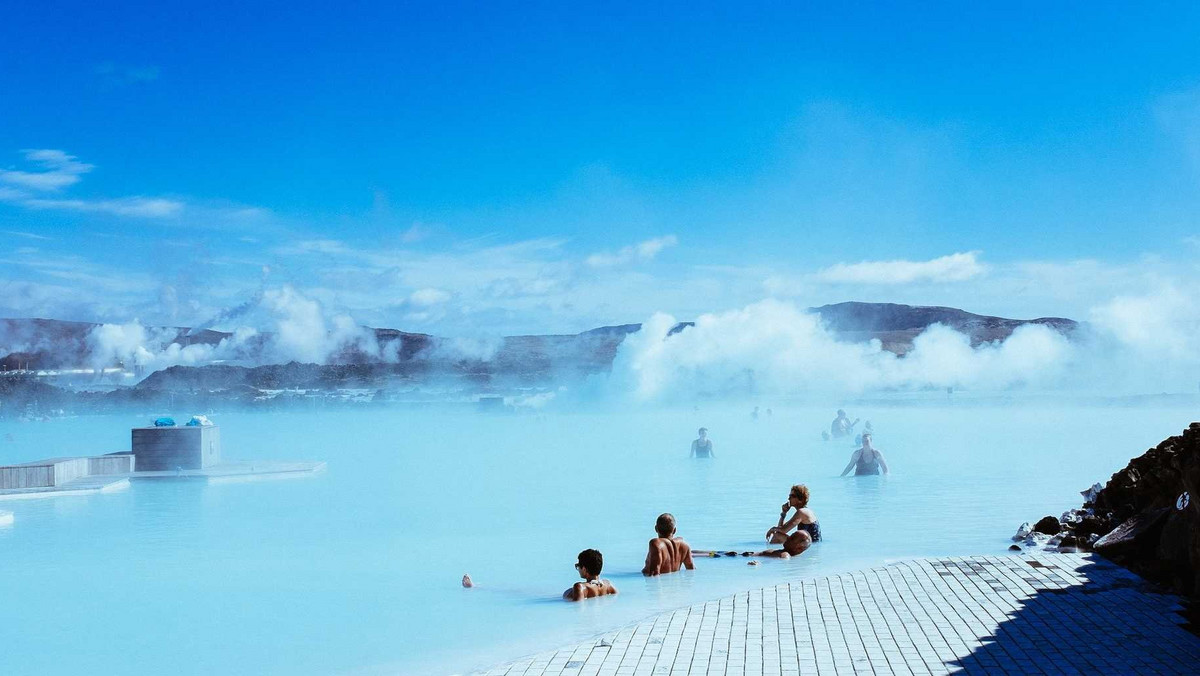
(164, 422)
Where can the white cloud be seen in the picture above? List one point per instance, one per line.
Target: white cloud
(58, 170)
(953, 268)
(415, 233)
(142, 207)
(640, 252)
(25, 235)
(427, 297)
(314, 246)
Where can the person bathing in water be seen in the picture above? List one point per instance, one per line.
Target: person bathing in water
(702, 447)
(794, 545)
(841, 425)
(668, 553)
(867, 429)
(591, 562)
(866, 460)
(803, 520)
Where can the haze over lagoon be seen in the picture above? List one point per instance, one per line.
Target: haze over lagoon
(496, 265)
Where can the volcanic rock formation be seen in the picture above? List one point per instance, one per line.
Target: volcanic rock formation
(1146, 517)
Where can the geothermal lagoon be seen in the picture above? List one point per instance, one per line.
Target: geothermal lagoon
(357, 570)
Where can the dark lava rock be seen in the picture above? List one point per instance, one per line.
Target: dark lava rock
(1088, 526)
(1048, 525)
(1014, 548)
(1068, 541)
(1144, 526)
(1148, 518)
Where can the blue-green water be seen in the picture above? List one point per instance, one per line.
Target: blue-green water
(357, 570)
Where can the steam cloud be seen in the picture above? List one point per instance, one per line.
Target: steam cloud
(295, 328)
(1132, 344)
(775, 347)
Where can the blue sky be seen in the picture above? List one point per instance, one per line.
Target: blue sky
(551, 167)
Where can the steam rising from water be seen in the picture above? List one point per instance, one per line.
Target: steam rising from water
(1134, 345)
(774, 347)
(296, 328)
(1142, 344)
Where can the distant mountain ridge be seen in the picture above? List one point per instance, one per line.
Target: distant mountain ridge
(895, 326)
(55, 344)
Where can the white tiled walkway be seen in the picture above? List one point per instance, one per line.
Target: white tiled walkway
(1040, 613)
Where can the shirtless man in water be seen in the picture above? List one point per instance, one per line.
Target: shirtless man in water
(589, 566)
(668, 553)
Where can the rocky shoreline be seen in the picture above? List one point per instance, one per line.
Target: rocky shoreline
(1145, 518)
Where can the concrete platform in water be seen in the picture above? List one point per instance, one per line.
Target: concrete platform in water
(190, 452)
(81, 486)
(227, 472)
(237, 471)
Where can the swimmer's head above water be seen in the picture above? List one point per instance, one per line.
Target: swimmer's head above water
(798, 497)
(797, 542)
(665, 525)
(590, 564)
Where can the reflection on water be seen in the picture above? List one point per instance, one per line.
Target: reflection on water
(357, 570)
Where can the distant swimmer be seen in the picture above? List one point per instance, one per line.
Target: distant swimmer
(591, 562)
(841, 425)
(795, 545)
(467, 583)
(867, 429)
(804, 519)
(702, 447)
(866, 460)
(754, 413)
(668, 553)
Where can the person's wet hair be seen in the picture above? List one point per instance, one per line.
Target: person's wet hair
(800, 492)
(841, 412)
(797, 542)
(665, 525)
(592, 560)
(866, 436)
(702, 430)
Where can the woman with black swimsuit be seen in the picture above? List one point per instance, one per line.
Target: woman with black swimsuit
(702, 447)
(804, 519)
(866, 460)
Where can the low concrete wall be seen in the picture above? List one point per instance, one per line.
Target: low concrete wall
(114, 463)
(27, 476)
(43, 473)
(58, 471)
(69, 469)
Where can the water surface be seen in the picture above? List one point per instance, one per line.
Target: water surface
(356, 571)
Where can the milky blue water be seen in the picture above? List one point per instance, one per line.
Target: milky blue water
(357, 570)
